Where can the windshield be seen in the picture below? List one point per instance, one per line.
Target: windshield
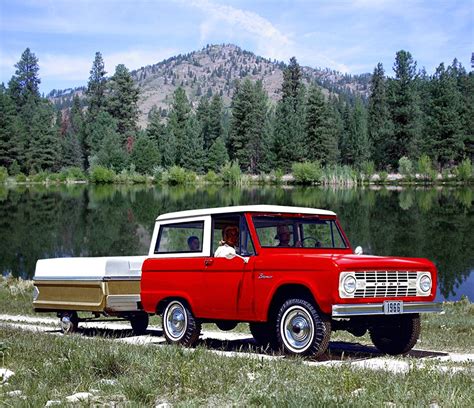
(279, 231)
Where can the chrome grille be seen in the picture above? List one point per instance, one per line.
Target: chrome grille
(382, 284)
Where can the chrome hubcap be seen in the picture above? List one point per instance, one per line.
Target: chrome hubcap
(176, 320)
(297, 329)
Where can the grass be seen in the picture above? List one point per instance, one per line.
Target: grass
(451, 331)
(49, 367)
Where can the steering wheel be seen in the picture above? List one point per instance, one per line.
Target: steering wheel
(317, 243)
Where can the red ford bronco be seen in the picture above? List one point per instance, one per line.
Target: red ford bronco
(289, 272)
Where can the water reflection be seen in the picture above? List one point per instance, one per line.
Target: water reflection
(42, 222)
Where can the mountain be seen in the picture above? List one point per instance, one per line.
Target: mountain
(214, 69)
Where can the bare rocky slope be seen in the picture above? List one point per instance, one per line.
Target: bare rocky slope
(214, 70)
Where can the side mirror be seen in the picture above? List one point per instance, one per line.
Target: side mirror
(232, 256)
(358, 250)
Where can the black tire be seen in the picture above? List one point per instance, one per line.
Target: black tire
(139, 323)
(264, 334)
(301, 330)
(179, 324)
(226, 325)
(69, 322)
(396, 335)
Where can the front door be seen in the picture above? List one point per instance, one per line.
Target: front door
(228, 283)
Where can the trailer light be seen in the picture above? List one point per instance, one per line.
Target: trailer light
(35, 293)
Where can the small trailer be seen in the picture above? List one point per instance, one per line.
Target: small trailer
(105, 286)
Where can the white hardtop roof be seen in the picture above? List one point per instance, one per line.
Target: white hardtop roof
(245, 208)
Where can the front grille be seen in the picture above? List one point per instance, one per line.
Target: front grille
(382, 284)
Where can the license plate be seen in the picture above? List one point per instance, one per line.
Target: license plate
(393, 307)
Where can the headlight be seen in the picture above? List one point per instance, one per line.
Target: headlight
(349, 284)
(425, 283)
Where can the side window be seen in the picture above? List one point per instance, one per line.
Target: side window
(180, 237)
(244, 246)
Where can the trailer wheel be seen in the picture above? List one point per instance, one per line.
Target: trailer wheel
(397, 334)
(179, 324)
(69, 322)
(301, 330)
(139, 322)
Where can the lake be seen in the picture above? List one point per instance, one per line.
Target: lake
(81, 220)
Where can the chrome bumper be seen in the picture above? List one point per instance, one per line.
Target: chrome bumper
(369, 309)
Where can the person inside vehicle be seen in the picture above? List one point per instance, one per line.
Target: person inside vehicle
(193, 244)
(230, 238)
(284, 236)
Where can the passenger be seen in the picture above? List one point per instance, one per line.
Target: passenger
(230, 238)
(193, 244)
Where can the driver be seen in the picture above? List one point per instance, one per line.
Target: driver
(284, 236)
(230, 237)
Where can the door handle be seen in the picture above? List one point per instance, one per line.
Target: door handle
(208, 262)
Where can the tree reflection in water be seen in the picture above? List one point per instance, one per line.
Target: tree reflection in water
(55, 221)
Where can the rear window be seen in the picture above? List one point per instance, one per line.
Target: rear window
(180, 237)
(287, 232)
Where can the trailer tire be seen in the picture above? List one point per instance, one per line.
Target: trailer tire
(69, 322)
(397, 334)
(139, 323)
(179, 324)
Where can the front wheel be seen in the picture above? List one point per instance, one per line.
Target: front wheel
(397, 334)
(301, 329)
(179, 324)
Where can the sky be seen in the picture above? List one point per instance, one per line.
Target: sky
(351, 36)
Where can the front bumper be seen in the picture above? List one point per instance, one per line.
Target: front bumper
(371, 309)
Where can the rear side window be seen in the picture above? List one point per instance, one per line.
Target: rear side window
(180, 237)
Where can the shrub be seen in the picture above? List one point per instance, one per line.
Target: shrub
(40, 177)
(177, 175)
(464, 171)
(20, 178)
(75, 173)
(276, 176)
(231, 173)
(307, 172)
(54, 178)
(367, 168)
(425, 168)
(3, 174)
(405, 167)
(14, 168)
(101, 175)
(383, 176)
(212, 178)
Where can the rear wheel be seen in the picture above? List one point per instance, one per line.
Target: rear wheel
(179, 324)
(139, 322)
(69, 322)
(397, 334)
(301, 330)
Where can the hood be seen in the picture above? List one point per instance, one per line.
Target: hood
(370, 262)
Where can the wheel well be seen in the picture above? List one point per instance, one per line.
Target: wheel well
(288, 292)
(160, 308)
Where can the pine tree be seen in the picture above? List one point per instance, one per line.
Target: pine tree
(110, 153)
(25, 83)
(321, 134)
(144, 155)
(445, 126)
(122, 102)
(379, 124)
(193, 158)
(177, 125)
(156, 132)
(203, 117)
(404, 109)
(104, 125)
(215, 121)
(217, 155)
(358, 147)
(96, 87)
(289, 126)
(8, 129)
